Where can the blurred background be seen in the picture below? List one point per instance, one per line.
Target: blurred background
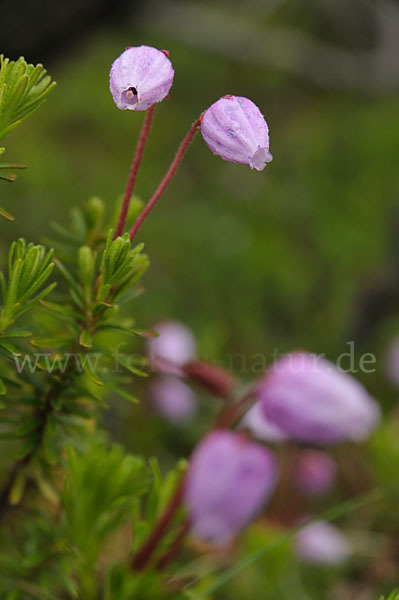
(302, 255)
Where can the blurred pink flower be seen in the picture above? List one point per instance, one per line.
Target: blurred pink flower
(260, 427)
(228, 480)
(174, 347)
(315, 472)
(322, 543)
(173, 399)
(312, 401)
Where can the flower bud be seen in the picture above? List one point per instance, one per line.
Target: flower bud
(174, 346)
(228, 480)
(315, 472)
(140, 77)
(234, 128)
(259, 426)
(216, 380)
(323, 544)
(309, 399)
(173, 400)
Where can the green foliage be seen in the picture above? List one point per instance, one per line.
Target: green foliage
(147, 513)
(101, 487)
(58, 375)
(38, 563)
(124, 585)
(65, 382)
(23, 89)
(394, 595)
(29, 267)
(384, 458)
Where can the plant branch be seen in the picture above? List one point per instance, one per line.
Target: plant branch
(43, 413)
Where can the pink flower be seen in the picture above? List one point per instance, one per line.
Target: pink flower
(140, 77)
(260, 427)
(228, 480)
(234, 128)
(174, 400)
(315, 472)
(174, 347)
(323, 544)
(310, 400)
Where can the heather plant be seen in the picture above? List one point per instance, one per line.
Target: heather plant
(79, 516)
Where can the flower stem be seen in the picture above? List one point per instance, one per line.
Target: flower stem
(232, 413)
(138, 155)
(140, 560)
(168, 177)
(146, 551)
(175, 548)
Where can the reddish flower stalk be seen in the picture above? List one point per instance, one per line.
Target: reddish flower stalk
(138, 155)
(168, 177)
(140, 560)
(146, 551)
(175, 548)
(232, 413)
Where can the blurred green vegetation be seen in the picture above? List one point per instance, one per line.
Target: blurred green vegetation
(252, 262)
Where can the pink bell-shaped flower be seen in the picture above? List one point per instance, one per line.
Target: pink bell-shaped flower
(313, 402)
(228, 480)
(234, 128)
(140, 77)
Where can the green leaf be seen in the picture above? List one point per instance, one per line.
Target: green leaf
(92, 375)
(86, 339)
(36, 299)
(121, 392)
(86, 265)
(17, 333)
(69, 278)
(3, 212)
(127, 330)
(52, 342)
(18, 488)
(60, 309)
(122, 361)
